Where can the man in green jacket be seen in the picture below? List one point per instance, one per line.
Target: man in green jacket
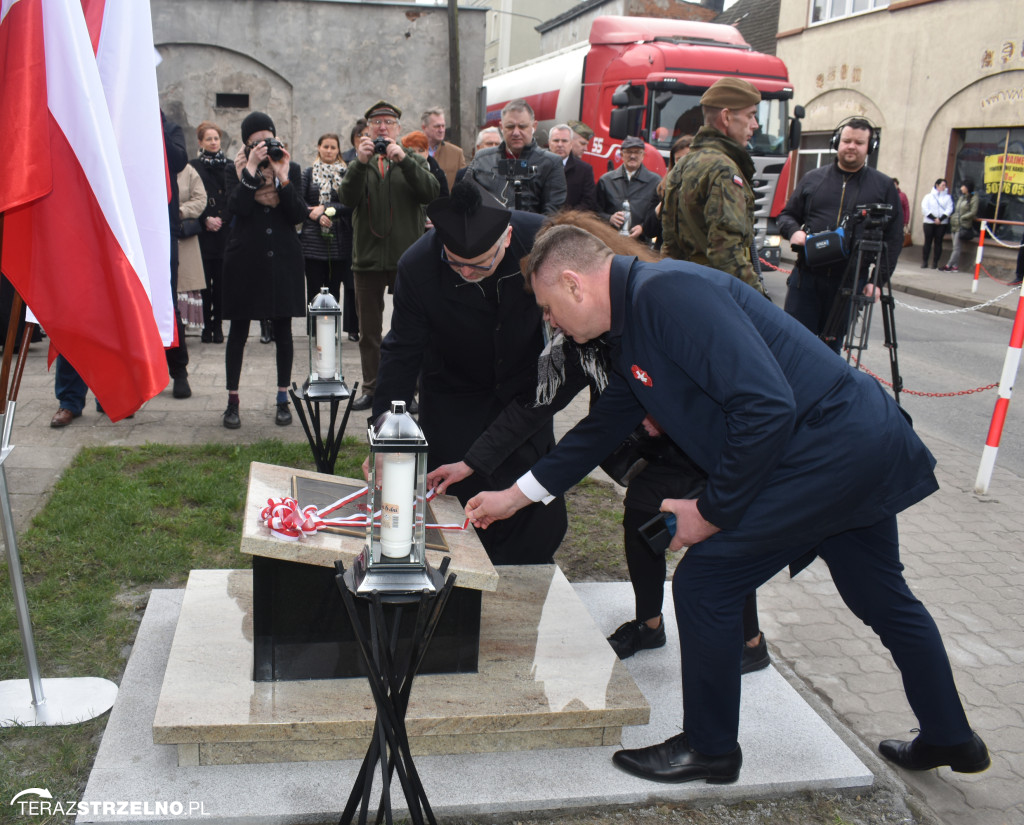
(708, 216)
(386, 191)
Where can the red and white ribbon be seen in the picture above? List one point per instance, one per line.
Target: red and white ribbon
(289, 522)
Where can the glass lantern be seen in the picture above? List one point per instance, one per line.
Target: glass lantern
(324, 327)
(394, 557)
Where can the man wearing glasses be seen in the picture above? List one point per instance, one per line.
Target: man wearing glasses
(385, 188)
(463, 318)
(518, 173)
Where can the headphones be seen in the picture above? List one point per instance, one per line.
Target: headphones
(873, 141)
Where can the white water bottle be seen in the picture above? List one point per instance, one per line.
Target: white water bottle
(626, 217)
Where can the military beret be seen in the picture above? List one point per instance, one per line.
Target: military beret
(464, 224)
(382, 107)
(731, 93)
(581, 129)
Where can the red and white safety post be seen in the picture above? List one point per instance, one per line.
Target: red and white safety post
(978, 256)
(1006, 380)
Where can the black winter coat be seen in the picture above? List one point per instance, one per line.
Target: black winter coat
(314, 244)
(263, 268)
(477, 346)
(215, 182)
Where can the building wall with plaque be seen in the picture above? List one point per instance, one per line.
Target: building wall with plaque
(942, 79)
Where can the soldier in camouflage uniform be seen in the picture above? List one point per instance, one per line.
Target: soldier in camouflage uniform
(708, 216)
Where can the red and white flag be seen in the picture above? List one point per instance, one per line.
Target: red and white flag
(71, 244)
(121, 32)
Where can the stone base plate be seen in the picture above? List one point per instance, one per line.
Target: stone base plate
(787, 749)
(546, 679)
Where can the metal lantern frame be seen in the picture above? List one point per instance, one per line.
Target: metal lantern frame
(323, 322)
(394, 557)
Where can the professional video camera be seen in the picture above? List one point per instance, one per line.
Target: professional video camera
(850, 315)
(871, 215)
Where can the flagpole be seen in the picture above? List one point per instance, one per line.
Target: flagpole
(23, 701)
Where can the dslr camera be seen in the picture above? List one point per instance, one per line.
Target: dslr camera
(380, 146)
(275, 149)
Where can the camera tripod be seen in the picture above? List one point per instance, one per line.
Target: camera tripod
(851, 310)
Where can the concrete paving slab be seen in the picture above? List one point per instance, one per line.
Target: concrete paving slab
(129, 767)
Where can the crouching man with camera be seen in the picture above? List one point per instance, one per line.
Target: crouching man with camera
(385, 188)
(822, 201)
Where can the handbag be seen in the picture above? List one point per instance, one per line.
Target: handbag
(908, 239)
(826, 248)
(189, 227)
(967, 233)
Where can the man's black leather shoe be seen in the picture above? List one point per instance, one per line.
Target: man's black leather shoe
(755, 658)
(967, 757)
(636, 635)
(283, 416)
(675, 761)
(363, 402)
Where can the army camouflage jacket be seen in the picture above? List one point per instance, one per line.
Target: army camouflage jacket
(708, 216)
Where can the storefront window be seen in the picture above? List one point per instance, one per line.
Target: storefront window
(994, 160)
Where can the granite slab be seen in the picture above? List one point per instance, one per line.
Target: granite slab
(546, 678)
(469, 561)
(788, 748)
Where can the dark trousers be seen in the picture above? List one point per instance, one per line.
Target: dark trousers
(237, 337)
(710, 584)
(647, 574)
(933, 235)
(68, 386)
(212, 268)
(323, 274)
(809, 299)
(370, 289)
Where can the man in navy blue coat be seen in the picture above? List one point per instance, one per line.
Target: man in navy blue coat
(805, 457)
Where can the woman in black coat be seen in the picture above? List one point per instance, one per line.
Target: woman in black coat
(212, 167)
(263, 259)
(327, 232)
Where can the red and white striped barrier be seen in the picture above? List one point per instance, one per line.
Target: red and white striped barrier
(1010, 365)
(978, 256)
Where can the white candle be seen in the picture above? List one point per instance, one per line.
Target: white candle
(325, 346)
(397, 504)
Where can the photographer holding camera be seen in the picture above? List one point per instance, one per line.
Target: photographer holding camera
(823, 200)
(518, 173)
(263, 267)
(385, 188)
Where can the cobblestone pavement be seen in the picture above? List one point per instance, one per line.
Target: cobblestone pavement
(964, 555)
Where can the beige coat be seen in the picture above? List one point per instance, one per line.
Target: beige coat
(192, 202)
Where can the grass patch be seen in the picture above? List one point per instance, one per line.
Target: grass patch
(122, 521)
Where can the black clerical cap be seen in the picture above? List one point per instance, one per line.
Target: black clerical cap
(464, 225)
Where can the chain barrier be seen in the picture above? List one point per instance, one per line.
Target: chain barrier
(881, 380)
(918, 393)
(959, 309)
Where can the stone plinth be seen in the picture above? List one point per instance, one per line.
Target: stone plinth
(546, 679)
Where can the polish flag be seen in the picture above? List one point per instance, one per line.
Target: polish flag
(71, 244)
(121, 32)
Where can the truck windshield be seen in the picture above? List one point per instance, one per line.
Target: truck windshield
(675, 114)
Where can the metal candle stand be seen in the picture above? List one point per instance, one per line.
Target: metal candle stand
(391, 676)
(324, 447)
